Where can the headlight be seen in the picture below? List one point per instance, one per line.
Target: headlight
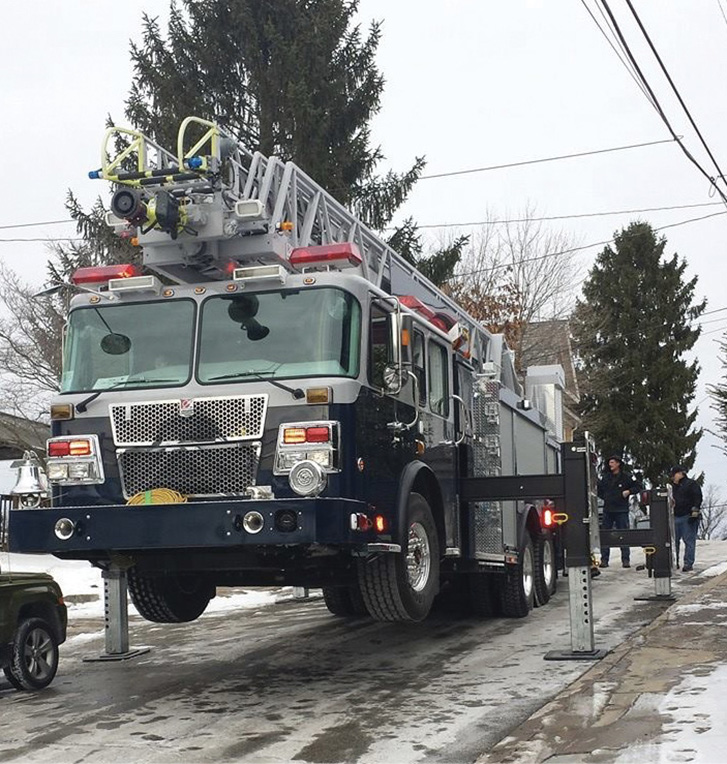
(320, 457)
(307, 479)
(82, 470)
(57, 471)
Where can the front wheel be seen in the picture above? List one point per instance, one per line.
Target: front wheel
(34, 659)
(177, 598)
(402, 587)
(345, 601)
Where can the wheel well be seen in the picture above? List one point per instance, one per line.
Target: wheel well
(42, 610)
(426, 484)
(532, 521)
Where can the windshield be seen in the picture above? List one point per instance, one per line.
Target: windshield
(136, 345)
(290, 333)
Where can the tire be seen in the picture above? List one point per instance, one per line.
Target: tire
(34, 659)
(518, 585)
(345, 601)
(176, 598)
(545, 569)
(484, 599)
(402, 587)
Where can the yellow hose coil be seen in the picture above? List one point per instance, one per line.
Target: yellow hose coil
(158, 496)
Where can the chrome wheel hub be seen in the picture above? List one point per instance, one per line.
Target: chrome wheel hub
(418, 557)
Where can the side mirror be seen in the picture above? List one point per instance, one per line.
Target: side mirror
(393, 378)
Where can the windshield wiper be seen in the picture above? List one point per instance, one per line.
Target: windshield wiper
(83, 405)
(297, 393)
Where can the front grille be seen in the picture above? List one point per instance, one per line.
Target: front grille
(221, 469)
(198, 420)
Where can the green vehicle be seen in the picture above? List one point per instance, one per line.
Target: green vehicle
(33, 621)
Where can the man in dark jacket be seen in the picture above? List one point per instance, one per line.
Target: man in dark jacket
(687, 497)
(614, 488)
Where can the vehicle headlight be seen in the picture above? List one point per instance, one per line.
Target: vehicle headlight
(57, 471)
(322, 457)
(81, 470)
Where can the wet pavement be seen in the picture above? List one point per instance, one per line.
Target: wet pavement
(657, 697)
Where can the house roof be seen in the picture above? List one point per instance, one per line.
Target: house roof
(20, 433)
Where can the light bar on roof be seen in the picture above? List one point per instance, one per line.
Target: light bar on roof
(343, 254)
(100, 274)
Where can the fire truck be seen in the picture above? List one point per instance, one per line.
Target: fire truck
(278, 398)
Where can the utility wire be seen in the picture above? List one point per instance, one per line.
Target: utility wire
(547, 159)
(35, 225)
(619, 54)
(574, 249)
(721, 10)
(657, 105)
(568, 217)
(674, 88)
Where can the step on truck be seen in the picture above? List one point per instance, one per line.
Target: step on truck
(278, 398)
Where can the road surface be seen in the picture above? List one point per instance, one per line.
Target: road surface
(290, 682)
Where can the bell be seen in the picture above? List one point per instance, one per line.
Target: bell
(31, 478)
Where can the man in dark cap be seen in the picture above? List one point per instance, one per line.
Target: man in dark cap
(687, 497)
(614, 488)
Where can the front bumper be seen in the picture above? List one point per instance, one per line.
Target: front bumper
(199, 525)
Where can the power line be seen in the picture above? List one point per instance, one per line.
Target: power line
(674, 88)
(35, 225)
(576, 249)
(721, 10)
(619, 54)
(547, 159)
(657, 105)
(569, 217)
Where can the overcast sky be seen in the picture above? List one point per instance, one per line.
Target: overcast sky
(469, 84)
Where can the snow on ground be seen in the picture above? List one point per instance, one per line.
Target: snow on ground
(82, 586)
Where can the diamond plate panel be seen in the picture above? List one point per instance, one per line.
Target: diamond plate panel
(222, 469)
(486, 516)
(198, 420)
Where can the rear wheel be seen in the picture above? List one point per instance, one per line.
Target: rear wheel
(545, 569)
(402, 587)
(34, 659)
(176, 598)
(518, 586)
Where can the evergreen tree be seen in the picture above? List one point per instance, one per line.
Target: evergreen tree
(632, 330)
(718, 394)
(292, 78)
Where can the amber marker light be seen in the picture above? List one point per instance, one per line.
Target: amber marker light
(380, 523)
(318, 395)
(59, 411)
(294, 435)
(79, 448)
(286, 225)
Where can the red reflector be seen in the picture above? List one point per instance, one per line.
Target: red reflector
(69, 448)
(326, 253)
(100, 273)
(380, 523)
(317, 435)
(59, 448)
(548, 518)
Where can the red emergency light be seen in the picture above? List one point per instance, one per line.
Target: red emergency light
(99, 274)
(441, 320)
(345, 253)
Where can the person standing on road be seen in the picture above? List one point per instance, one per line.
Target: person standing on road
(687, 497)
(614, 488)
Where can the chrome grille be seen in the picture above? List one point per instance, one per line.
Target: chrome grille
(198, 420)
(221, 469)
